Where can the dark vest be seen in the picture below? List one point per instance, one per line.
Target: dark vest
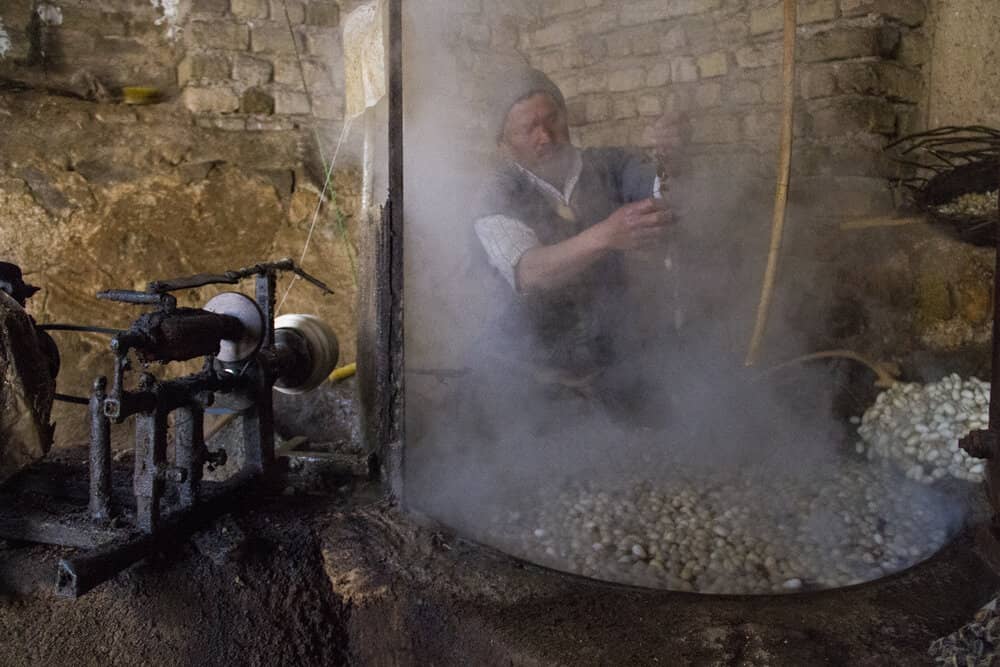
(573, 328)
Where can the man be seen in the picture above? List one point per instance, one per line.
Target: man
(555, 225)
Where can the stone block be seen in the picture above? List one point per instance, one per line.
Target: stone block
(559, 7)
(256, 100)
(585, 52)
(317, 75)
(716, 129)
(296, 11)
(624, 107)
(598, 108)
(274, 38)
(209, 6)
(914, 49)
(817, 81)
(743, 92)
(619, 44)
(847, 115)
(210, 100)
(323, 43)
(649, 105)
(251, 71)
(553, 35)
(708, 95)
(551, 62)
(848, 42)
(648, 11)
(683, 70)
(323, 13)
(626, 79)
(658, 75)
(908, 12)
(289, 102)
(771, 89)
(766, 19)
(817, 11)
(759, 55)
(884, 79)
(604, 134)
(576, 111)
(596, 22)
(251, 9)
(646, 41)
(506, 33)
(679, 100)
(218, 34)
(592, 82)
(203, 66)
(772, 19)
(762, 126)
(734, 30)
(674, 39)
(713, 64)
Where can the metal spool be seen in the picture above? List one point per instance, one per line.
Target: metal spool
(323, 350)
(248, 313)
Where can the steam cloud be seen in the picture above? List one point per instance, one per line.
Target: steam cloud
(482, 441)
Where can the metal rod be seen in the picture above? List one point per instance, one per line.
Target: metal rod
(150, 455)
(100, 454)
(68, 398)
(85, 328)
(189, 447)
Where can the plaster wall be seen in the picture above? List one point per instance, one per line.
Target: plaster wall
(964, 75)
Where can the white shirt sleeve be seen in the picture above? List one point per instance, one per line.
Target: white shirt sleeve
(505, 240)
(657, 188)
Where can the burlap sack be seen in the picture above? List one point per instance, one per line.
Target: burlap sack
(26, 391)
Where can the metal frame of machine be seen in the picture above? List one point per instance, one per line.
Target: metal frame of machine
(245, 356)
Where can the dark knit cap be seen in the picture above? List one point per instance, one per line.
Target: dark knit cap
(514, 86)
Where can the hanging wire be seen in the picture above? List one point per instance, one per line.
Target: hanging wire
(327, 168)
(315, 216)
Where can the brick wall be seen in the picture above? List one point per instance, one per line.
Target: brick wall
(231, 63)
(623, 64)
(250, 65)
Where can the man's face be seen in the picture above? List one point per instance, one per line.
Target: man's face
(536, 131)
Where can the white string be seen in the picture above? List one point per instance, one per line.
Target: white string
(319, 206)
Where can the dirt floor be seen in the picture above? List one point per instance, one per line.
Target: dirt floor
(309, 580)
(301, 578)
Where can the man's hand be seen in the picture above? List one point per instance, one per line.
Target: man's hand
(634, 226)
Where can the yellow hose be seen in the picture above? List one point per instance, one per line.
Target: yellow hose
(784, 171)
(343, 372)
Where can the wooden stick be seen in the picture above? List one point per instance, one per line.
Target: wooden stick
(784, 173)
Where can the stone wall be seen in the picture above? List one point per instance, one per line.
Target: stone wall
(622, 65)
(964, 77)
(222, 171)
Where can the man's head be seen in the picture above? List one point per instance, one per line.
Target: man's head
(535, 131)
(530, 116)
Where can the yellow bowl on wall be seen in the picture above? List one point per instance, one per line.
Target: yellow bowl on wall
(140, 94)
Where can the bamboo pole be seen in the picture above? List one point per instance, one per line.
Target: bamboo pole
(781, 192)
